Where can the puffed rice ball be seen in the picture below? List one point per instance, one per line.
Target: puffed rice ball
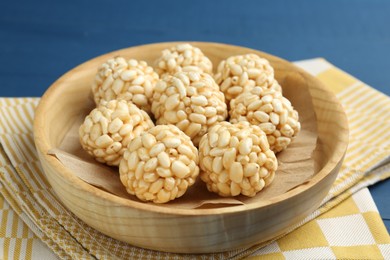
(160, 164)
(130, 80)
(190, 100)
(239, 73)
(109, 128)
(236, 159)
(269, 110)
(183, 57)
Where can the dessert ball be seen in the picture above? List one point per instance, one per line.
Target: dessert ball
(235, 159)
(130, 80)
(107, 130)
(269, 110)
(159, 165)
(183, 57)
(190, 100)
(239, 73)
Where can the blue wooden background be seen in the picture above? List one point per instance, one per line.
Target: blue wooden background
(41, 40)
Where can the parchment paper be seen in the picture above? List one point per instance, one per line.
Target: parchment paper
(297, 164)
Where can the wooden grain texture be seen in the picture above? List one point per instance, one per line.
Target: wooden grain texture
(186, 230)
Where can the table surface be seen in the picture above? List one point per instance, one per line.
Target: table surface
(41, 40)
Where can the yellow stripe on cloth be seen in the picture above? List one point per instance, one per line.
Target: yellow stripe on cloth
(22, 242)
(319, 235)
(26, 210)
(352, 226)
(336, 79)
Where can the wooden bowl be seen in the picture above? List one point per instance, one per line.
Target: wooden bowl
(198, 230)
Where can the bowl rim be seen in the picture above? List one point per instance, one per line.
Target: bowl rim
(43, 146)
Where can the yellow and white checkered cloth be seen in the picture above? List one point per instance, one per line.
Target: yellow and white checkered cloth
(35, 225)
